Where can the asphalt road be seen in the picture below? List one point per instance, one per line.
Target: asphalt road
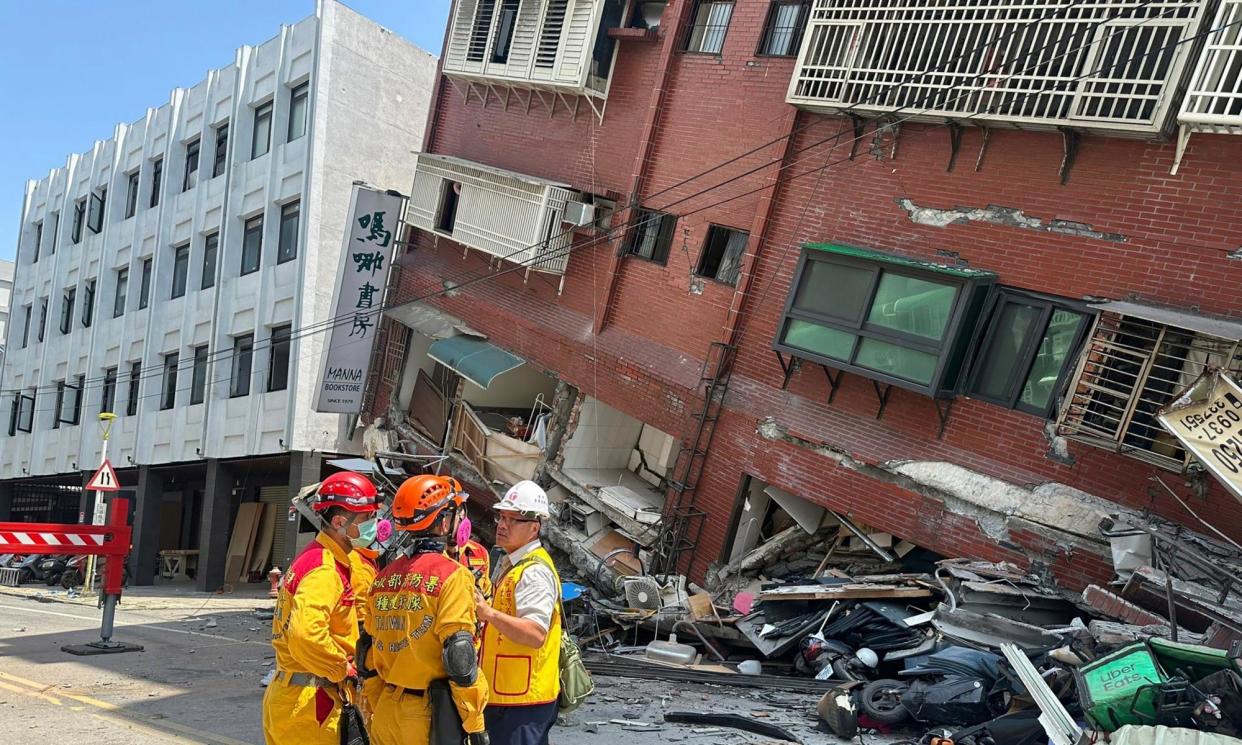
(197, 681)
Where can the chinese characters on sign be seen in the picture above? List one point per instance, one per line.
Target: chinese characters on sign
(1207, 420)
(366, 253)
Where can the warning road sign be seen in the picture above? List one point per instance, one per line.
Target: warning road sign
(104, 479)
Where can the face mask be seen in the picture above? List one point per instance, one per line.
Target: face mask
(463, 532)
(366, 534)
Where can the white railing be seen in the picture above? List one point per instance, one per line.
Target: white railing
(537, 44)
(1214, 99)
(1111, 65)
(510, 216)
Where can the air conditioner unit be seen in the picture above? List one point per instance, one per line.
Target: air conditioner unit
(579, 214)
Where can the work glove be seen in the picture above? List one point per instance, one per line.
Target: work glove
(477, 738)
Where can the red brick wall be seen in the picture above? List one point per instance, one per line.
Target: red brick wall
(1178, 233)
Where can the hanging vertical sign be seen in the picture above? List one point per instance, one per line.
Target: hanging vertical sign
(374, 217)
(1207, 419)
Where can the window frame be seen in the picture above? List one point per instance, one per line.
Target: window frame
(243, 349)
(157, 181)
(986, 337)
(134, 388)
(26, 413)
(497, 28)
(55, 218)
(79, 220)
(692, 25)
(765, 37)
(281, 338)
(38, 241)
(133, 183)
(713, 230)
(88, 302)
(262, 113)
(211, 248)
(96, 215)
(29, 308)
(290, 211)
(68, 299)
(298, 93)
(168, 391)
(107, 396)
(219, 157)
(42, 317)
(948, 374)
(120, 292)
(181, 271)
(193, 150)
(665, 228)
(144, 287)
(252, 226)
(198, 378)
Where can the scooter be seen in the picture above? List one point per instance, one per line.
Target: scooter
(52, 567)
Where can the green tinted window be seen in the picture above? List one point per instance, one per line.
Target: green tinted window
(835, 290)
(912, 306)
(910, 364)
(1050, 358)
(1002, 361)
(819, 339)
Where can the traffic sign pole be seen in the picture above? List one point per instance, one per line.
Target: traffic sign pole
(104, 480)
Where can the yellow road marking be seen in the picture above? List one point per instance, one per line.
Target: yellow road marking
(156, 726)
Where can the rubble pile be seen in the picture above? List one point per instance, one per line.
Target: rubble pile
(896, 640)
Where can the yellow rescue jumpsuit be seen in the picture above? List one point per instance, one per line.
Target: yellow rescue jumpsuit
(417, 602)
(314, 630)
(364, 571)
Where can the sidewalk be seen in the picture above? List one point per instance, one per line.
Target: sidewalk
(164, 595)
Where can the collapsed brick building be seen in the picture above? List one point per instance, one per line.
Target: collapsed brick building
(713, 268)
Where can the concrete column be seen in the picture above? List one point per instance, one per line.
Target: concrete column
(146, 536)
(6, 501)
(304, 469)
(86, 503)
(213, 540)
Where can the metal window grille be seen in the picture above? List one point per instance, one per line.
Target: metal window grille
(786, 20)
(711, 23)
(550, 34)
(1214, 100)
(1016, 63)
(1130, 369)
(394, 352)
(480, 29)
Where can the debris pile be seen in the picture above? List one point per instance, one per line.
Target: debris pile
(951, 651)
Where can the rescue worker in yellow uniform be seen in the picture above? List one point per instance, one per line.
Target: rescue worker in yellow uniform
(522, 625)
(421, 617)
(315, 625)
(365, 565)
(467, 551)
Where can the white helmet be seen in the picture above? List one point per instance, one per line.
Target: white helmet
(525, 497)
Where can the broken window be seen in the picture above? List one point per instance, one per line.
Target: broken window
(721, 258)
(1132, 367)
(888, 318)
(1026, 351)
(651, 235)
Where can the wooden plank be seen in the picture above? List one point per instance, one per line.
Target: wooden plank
(263, 539)
(843, 592)
(241, 540)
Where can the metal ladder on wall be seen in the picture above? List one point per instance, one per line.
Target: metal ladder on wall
(682, 521)
(382, 327)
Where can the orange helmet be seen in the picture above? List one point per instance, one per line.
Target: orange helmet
(420, 500)
(459, 494)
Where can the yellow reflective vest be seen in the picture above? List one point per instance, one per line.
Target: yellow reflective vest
(521, 675)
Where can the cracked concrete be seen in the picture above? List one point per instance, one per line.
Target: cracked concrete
(998, 215)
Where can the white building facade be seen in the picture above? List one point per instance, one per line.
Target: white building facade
(180, 273)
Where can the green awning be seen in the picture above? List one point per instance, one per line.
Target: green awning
(893, 259)
(473, 358)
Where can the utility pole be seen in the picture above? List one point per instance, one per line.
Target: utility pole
(98, 516)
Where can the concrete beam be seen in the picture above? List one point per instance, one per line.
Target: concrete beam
(217, 522)
(146, 535)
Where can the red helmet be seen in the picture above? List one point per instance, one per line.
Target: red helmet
(349, 490)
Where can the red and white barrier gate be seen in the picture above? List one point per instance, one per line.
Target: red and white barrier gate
(110, 540)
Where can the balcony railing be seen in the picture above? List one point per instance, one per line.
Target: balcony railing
(1214, 98)
(555, 46)
(1110, 65)
(511, 216)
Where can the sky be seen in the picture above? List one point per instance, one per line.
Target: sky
(70, 70)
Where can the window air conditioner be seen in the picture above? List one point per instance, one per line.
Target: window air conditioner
(579, 214)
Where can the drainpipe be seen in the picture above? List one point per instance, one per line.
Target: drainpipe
(670, 27)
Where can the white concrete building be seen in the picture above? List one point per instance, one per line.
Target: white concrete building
(6, 295)
(166, 274)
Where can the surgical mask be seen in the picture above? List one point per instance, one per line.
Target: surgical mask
(463, 532)
(367, 532)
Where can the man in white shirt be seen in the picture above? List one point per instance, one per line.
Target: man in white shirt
(520, 653)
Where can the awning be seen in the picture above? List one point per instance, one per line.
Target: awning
(428, 321)
(473, 358)
(1221, 328)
